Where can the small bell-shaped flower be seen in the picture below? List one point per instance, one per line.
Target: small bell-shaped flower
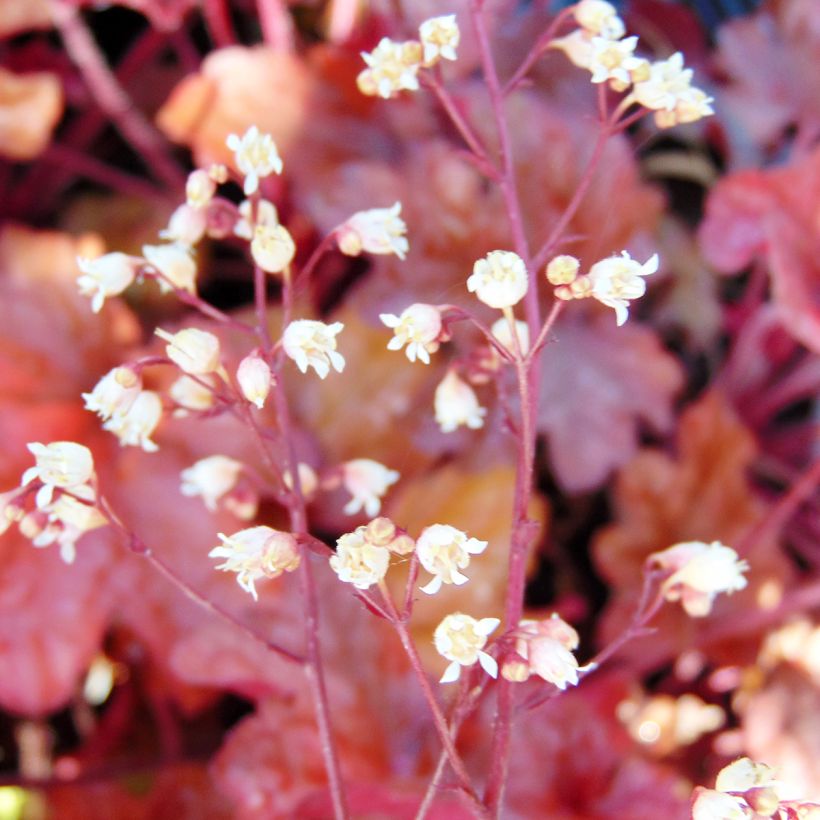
(379, 230)
(175, 265)
(461, 639)
(254, 377)
(358, 561)
(418, 327)
(192, 350)
(367, 481)
(391, 67)
(211, 479)
(114, 393)
(63, 465)
(439, 37)
(456, 404)
(135, 427)
(106, 276)
(313, 344)
(444, 551)
(272, 248)
(256, 157)
(499, 280)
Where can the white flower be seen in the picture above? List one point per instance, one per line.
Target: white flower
(502, 333)
(254, 377)
(597, 17)
(134, 428)
(192, 350)
(499, 280)
(618, 279)
(668, 81)
(443, 551)
(699, 571)
(714, 805)
(256, 157)
(266, 214)
(379, 230)
(744, 774)
(68, 520)
(439, 38)
(577, 45)
(418, 327)
(308, 480)
(359, 562)
(272, 247)
(255, 553)
(547, 648)
(114, 393)
(186, 227)
(461, 640)
(313, 344)
(562, 270)
(456, 403)
(367, 481)
(105, 276)
(199, 189)
(63, 464)
(175, 264)
(392, 67)
(192, 394)
(692, 105)
(211, 478)
(614, 60)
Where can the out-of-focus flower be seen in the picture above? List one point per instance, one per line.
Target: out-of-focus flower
(175, 264)
(192, 394)
(443, 551)
(614, 60)
(461, 639)
(200, 188)
(618, 279)
(254, 377)
(68, 520)
(272, 247)
(31, 105)
(256, 157)
(61, 464)
(211, 478)
(668, 90)
(359, 562)
(367, 481)
(391, 68)
(114, 393)
(265, 213)
(186, 227)
(256, 553)
(382, 532)
(192, 350)
(499, 280)
(692, 106)
(546, 647)
(308, 480)
(379, 230)
(745, 789)
(439, 37)
(313, 344)
(456, 404)
(713, 805)
(744, 774)
(577, 45)
(106, 276)
(562, 270)
(418, 327)
(135, 427)
(502, 333)
(699, 571)
(597, 17)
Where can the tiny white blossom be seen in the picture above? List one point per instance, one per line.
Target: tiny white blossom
(192, 350)
(714, 805)
(499, 280)
(359, 562)
(114, 393)
(199, 189)
(254, 377)
(744, 774)
(256, 157)
(692, 105)
(597, 17)
(186, 227)
(175, 263)
(699, 572)
(577, 45)
(105, 276)
(313, 344)
(668, 90)
(614, 60)
(192, 394)
(617, 280)
(456, 404)
(439, 37)
(391, 68)
(272, 247)
(418, 327)
(308, 480)
(367, 481)
(266, 214)
(379, 230)
(502, 333)
(461, 639)
(135, 427)
(68, 520)
(547, 648)
(443, 551)
(210, 478)
(61, 464)
(256, 553)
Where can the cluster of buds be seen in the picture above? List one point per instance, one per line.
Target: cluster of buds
(697, 572)
(394, 67)
(362, 557)
(745, 789)
(216, 480)
(544, 648)
(64, 498)
(663, 86)
(613, 282)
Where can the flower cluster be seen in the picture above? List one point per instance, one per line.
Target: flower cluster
(394, 67)
(663, 86)
(697, 572)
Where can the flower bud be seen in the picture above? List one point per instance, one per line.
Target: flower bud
(254, 379)
(192, 350)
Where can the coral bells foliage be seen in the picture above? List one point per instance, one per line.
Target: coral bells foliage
(256, 553)
(698, 572)
(443, 551)
(418, 327)
(313, 344)
(461, 639)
